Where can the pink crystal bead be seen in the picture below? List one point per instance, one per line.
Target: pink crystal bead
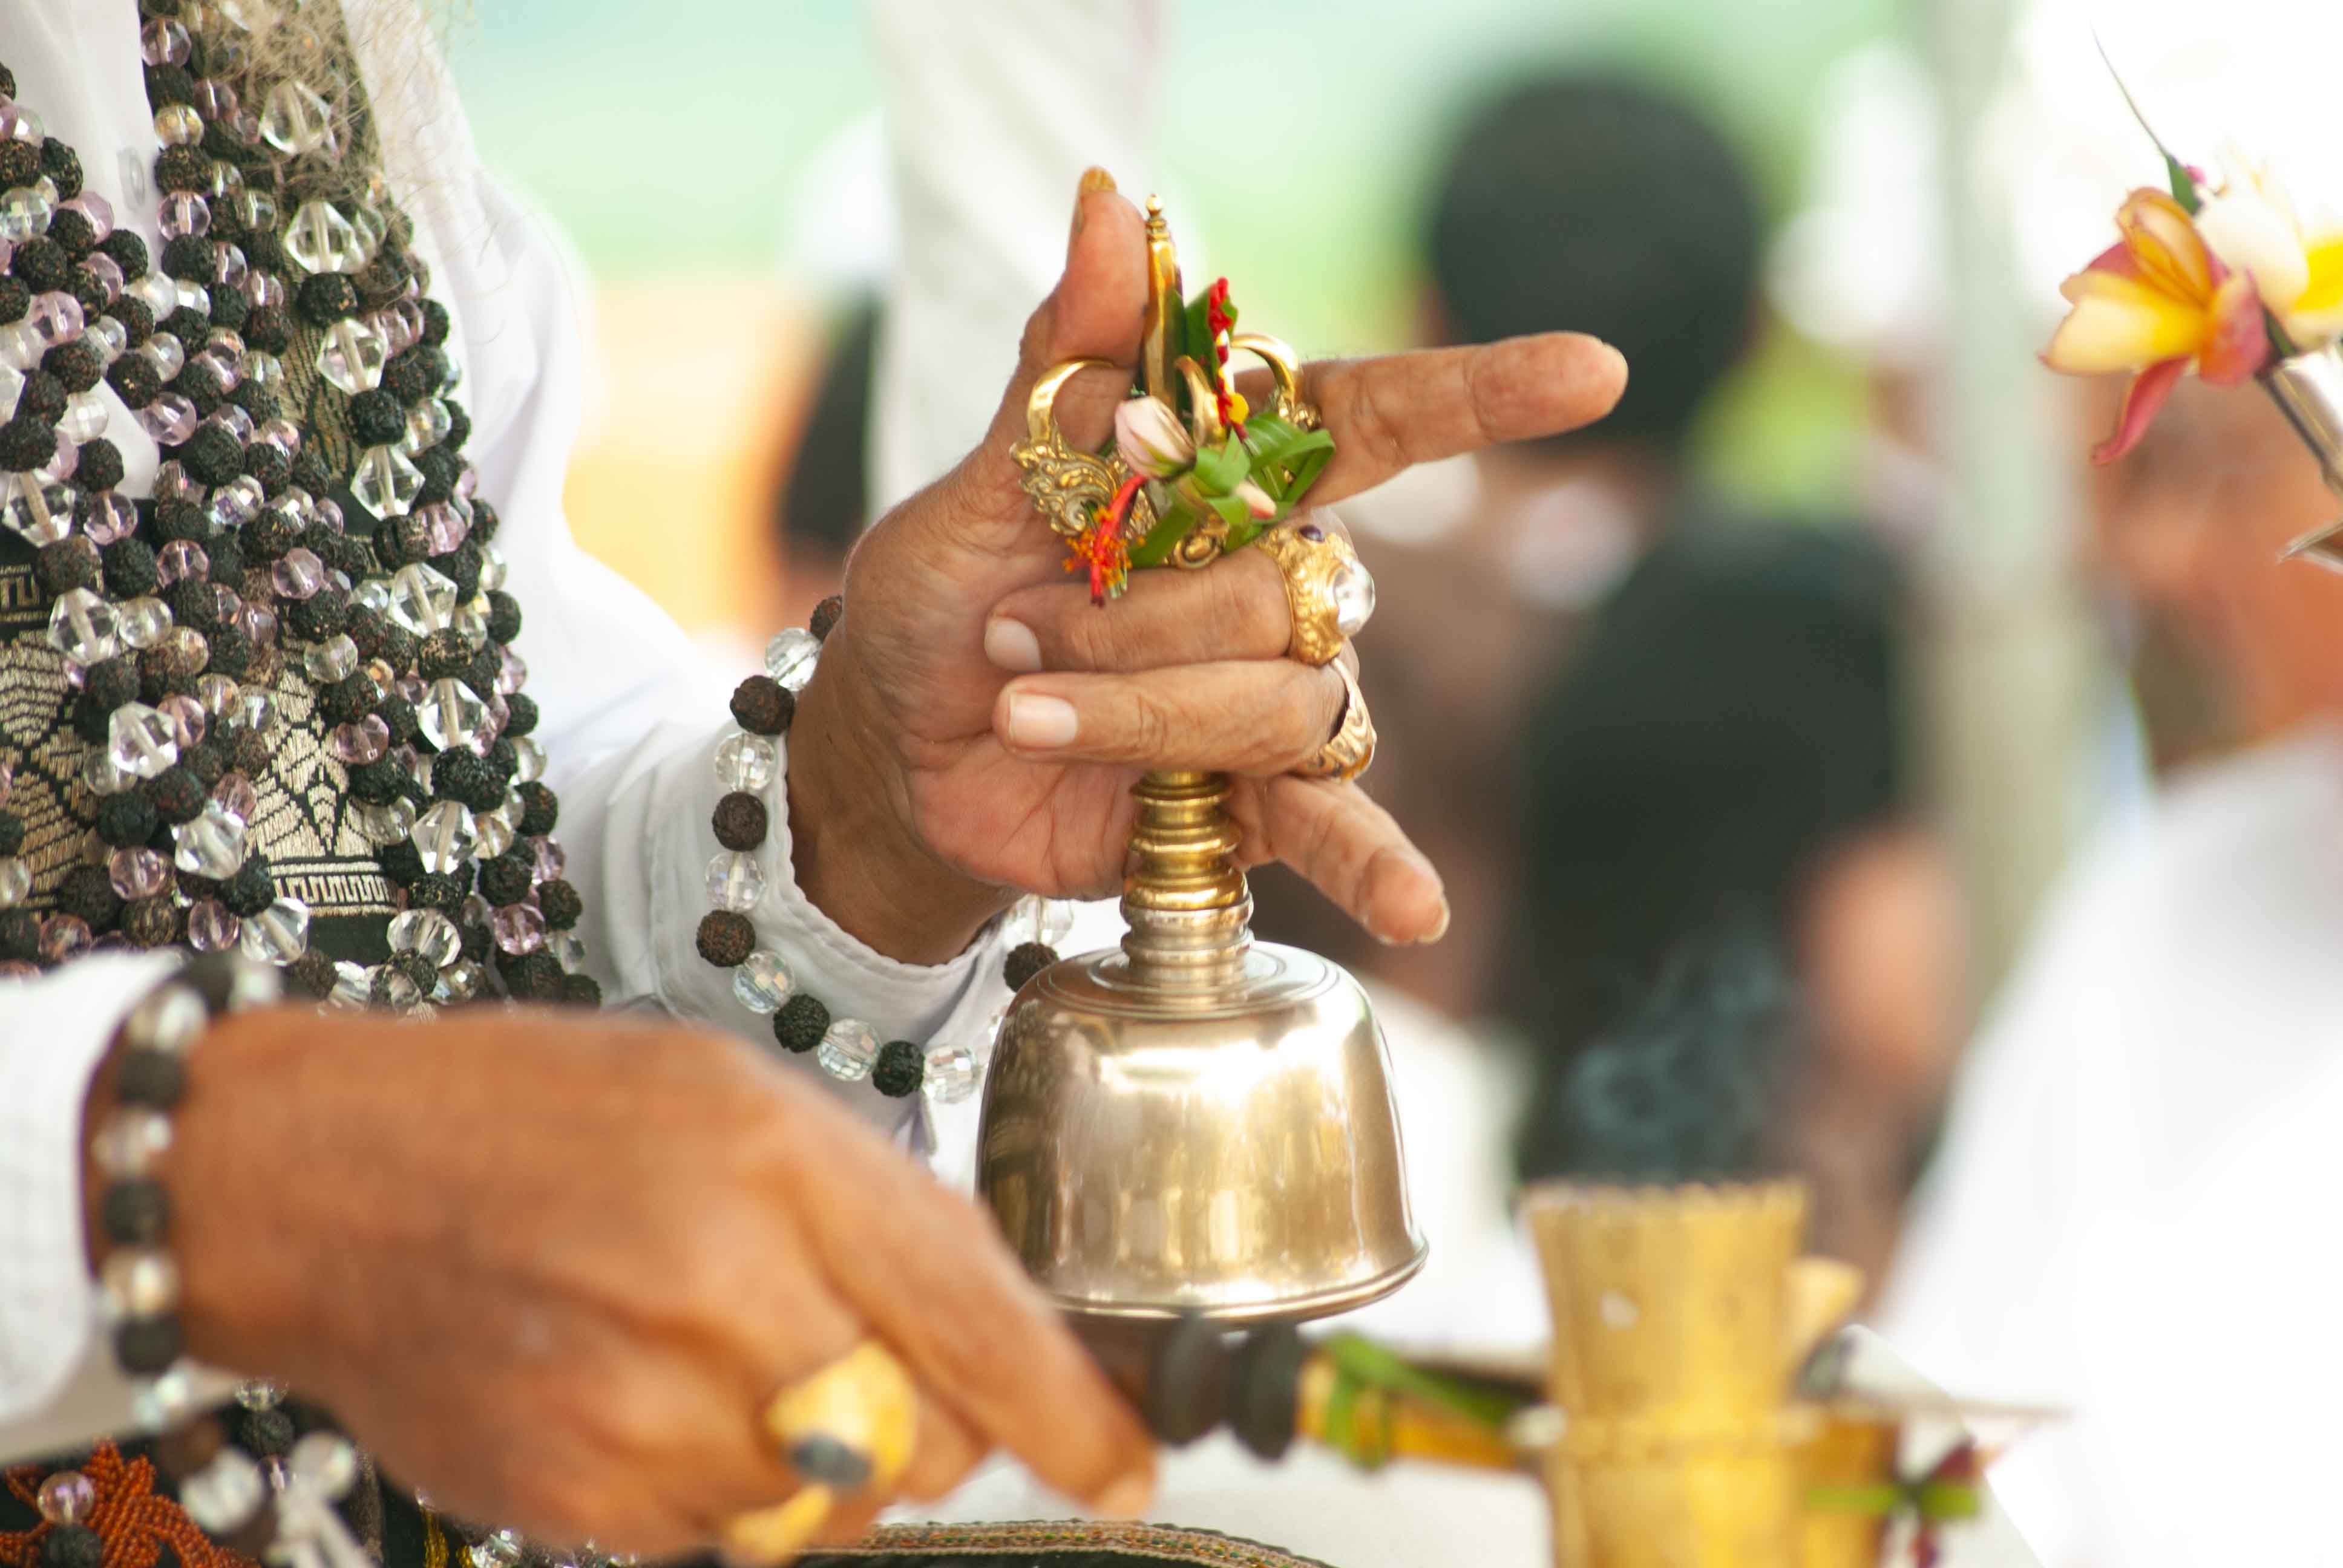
(163, 42)
(8, 779)
(360, 742)
(174, 483)
(259, 624)
(512, 671)
(235, 794)
(55, 318)
(185, 214)
(96, 209)
(215, 99)
(227, 603)
(229, 267)
(17, 970)
(220, 369)
(443, 530)
(64, 937)
(67, 1497)
(211, 929)
(63, 458)
(549, 861)
(188, 718)
(111, 518)
(262, 292)
(170, 418)
(327, 514)
(519, 928)
(297, 574)
(182, 558)
(137, 873)
(105, 272)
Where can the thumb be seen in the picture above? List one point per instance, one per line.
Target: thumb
(1094, 313)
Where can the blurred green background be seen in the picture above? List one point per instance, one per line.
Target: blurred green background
(605, 121)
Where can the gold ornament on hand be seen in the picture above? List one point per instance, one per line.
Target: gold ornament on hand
(1352, 748)
(1329, 593)
(849, 1428)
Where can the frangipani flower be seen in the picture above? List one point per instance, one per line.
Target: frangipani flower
(1151, 438)
(2158, 303)
(2251, 225)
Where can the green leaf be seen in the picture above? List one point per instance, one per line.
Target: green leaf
(2184, 184)
(1171, 526)
(1221, 470)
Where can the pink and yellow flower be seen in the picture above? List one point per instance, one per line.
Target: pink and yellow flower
(2158, 303)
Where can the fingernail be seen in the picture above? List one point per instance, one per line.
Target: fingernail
(1043, 723)
(1441, 930)
(1126, 1499)
(1010, 645)
(1094, 179)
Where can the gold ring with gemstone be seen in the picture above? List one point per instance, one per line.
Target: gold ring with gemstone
(849, 1428)
(1329, 593)
(1346, 756)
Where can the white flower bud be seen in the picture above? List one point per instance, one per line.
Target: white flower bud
(1149, 436)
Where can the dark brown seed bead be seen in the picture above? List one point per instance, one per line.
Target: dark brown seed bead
(74, 231)
(20, 935)
(181, 169)
(444, 653)
(75, 365)
(87, 893)
(581, 991)
(1026, 961)
(63, 165)
(43, 396)
(26, 442)
(20, 164)
(506, 879)
(134, 379)
(539, 811)
(559, 903)
(40, 264)
(134, 1211)
(326, 297)
(152, 1077)
(310, 975)
(72, 1546)
(146, 1346)
(437, 891)
(741, 820)
(825, 616)
(504, 616)
(15, 299)
(725, 938)
(520, 709)
(12, 833)
(251, 889)
(151, 922)
(188, 260)
(100, 467)
(268, 329)
(128, 249)
(900, 1069)
(70, 563)
(267, 1433)
(212, 455)
(763, 705)
(533, 977)
(465, 778)
(800, 1022)
(175, 793)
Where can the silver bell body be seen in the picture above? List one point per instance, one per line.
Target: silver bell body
(1197, 1123)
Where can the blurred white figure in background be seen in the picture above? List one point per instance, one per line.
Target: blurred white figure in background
(2127, 1214)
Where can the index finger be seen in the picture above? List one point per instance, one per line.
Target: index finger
(1397, 410)
(927, 1270)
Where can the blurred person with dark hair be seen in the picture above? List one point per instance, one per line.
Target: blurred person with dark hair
(1580, 198)
(1721, 826)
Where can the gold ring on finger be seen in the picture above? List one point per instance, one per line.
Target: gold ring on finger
(1331, 593)
(848, 1429)
(1352, 748)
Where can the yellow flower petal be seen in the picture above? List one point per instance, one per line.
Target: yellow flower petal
(2122, 324)
(2164, 242)
(2316, 317)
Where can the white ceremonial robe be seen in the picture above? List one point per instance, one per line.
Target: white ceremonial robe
(631, 718)
(2131, 1213)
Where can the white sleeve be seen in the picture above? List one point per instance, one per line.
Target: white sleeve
(994, 112)
(53, 1032)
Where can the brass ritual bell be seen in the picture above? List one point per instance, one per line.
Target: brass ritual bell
(1195, 1124)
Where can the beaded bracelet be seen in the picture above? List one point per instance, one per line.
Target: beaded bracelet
(223, 1488)
(846, 1048)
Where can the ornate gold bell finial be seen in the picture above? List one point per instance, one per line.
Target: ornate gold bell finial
(1196, 1122)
